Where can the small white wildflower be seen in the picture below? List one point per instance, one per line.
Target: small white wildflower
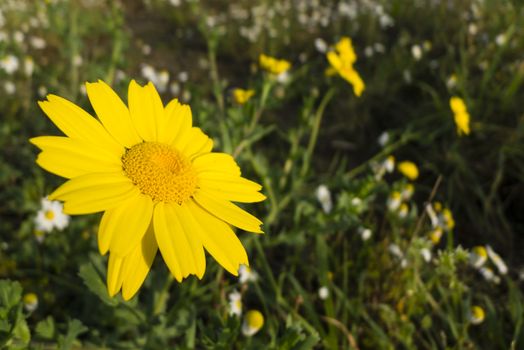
(426, 254)
(356, 202)
(37, 43)
(30, 302)
(174, 88)
(416, 52)
(186, 96)
(146, 49)
(379, 47)
(451, 83)
(42, 91)
(407, 192)
(321, 45)
(472, 29)
(489, 275)
(368, 51)
(51, 216)
(253, 322)
(175, 3)
(283, 77)
(497, 260)
(77, 60)
(9, 64)
(235, 303)
(365, 233)
(246, 274)
(162, 81)
(323, 293)
(394, 201)
(82, 89)
(403, 211)
(386, 21)
(432, 215)
(383, 139)
(406, 74)
(183, 76)
(324, 197)
(9, 87)
(389, 164)
(478, 256)
(501, 39)
(394, 249)
(19, 37)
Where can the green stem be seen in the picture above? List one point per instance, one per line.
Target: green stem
(160, 302)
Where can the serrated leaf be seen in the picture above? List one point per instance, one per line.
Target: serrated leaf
(74, 329)
(46, 328)
(94, 282)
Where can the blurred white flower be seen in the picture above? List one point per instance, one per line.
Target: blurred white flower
(9, 64)
(416, 52)
(501, 39)
(323, 293)
(432, 215)
(368, 51)
(489, 275)
(452, 81)
(253, 322)
(403, 211)
(30, 302)
(77, 60)
(183, 76)
(175, 3)
(51, 216)
(406, 74)
(365, 233)
(383, 139)
(379, 47)
(235, 303)
(29, 66)
(174, 88)
(386, 21)
(478, 256)
(146, 49)
(246, 274)
(37, 43)
(324, 197)
(426, 254)
(395, 251)
(497, 260)
(9, 87)
(42, 91)
(472, 29)
(162, 81)
(394, 201)
(321, 45)
(19, 37)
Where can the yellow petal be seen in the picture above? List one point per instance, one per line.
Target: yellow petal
(228, 212)
(146, 109)
(218, 239)
(130, 226)
(194, 142)
(190, 226)
(77, 123)
(178, 120)
(334, 60)
(172, 242)
(105, 231)
(216, 162)
(115, 274)
(138, 263)
(92, 193)
(234, 196)
(113, 113)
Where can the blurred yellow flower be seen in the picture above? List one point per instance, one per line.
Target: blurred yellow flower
(273, 65)
(341, 60)
(461, 115)
(478, 256)
(156, 180)
(408, 169)
(477, 315)
(241, 96)
(30, 302)
(448, 219)
(435, 235)
(253, 322)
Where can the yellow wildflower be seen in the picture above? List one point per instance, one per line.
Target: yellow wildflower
(342, 60)
(477, 315)
(408, 169)
(461, 115)
(253, 322)
(241, 96)
(273, 65)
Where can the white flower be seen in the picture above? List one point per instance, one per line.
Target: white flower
(30, 302)
(407, 192)
(51, 216)
(406, 74)
(395, 250)
(37, 43)
(9, 64)
(497, 260)
(324, 197)
(452, 81)
(478, 256)
(365, 233)
(283, 77)
(162, 81)
(472, 29)
(489, 275)
(9, 87)
(386, 21)
(501, 39)
(368, 51)
(42, 91)
(323, 293)
(175, 3)
(379, 47)
(403, 211)
(18, 36)
(148, 72)
(183, 76)
(321, 45)
(174, 88)
(426, 254)
(235, 303)
(246, 274)
(394, 201)
(416, 51)
(383, 139)
(146, 49)
(389, 164)
(253, 322)
(77, 60)
(432, 215)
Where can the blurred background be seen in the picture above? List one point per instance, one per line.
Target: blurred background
(360, 251)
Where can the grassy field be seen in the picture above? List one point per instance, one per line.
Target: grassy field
(389, 142)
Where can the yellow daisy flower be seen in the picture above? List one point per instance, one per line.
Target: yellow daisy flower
(477, 315)
(408, 169)
(342, 60)
(461, 115)
(156, 180)
(241, 96)
(273, 65)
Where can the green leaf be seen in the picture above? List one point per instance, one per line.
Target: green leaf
(46, 328)
(74, 329)
(94, 282)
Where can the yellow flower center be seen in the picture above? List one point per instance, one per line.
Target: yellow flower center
(49, 215)
(160, 171)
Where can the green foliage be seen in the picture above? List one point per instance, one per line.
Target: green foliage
(395, 276)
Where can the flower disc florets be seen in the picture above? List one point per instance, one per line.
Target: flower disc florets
(160, 171)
